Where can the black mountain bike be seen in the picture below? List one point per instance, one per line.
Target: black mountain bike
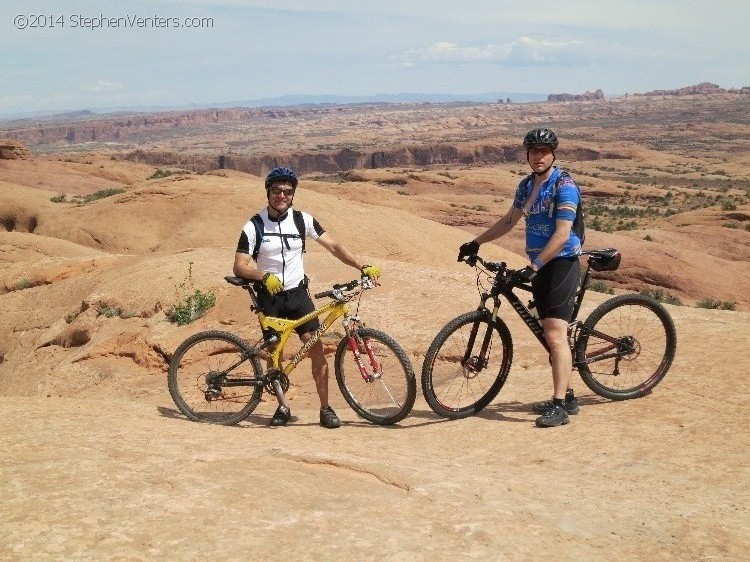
(622, 350)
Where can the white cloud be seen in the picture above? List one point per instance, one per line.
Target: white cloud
(522, 50)
(105, 86)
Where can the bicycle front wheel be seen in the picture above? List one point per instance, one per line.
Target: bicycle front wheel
(466, 365)
(384, 394)
(215, 377)
(625, 347)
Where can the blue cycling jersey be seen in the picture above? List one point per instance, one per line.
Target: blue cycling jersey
(539, 224)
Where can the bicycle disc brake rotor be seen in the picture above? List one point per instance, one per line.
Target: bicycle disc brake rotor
(631, 348)
(472, 367)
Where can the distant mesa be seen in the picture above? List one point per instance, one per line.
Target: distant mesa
(704, 88)
(588, 96)
(13, 150)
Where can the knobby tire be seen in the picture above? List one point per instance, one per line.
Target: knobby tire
(201, 357)
(384, 401)
(654, 339)
(455, 390)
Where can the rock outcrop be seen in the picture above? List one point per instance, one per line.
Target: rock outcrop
(704, 88)
(348, 159)
(13, 150)
(588, 96)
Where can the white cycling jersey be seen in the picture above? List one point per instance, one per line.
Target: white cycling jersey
(280, 250)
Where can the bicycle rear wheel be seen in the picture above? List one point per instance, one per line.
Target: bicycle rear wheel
(456, 381)
(387, 395)
(215, 377)
(625, 347)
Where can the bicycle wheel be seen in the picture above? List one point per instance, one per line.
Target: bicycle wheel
(625, 347)
(389, 395)
(456, 381)
(215, 377)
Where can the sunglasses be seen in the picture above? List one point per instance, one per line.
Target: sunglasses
(279, 191)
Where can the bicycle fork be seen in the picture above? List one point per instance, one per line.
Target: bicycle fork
(476, 363)
(355, 340)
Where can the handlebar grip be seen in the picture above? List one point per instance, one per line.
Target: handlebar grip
(323, 294)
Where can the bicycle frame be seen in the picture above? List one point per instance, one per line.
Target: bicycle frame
(502, 286)
(283, 328)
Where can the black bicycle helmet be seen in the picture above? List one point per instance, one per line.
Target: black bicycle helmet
(537, 137)
(280, 174)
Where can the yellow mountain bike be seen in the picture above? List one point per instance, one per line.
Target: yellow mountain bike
(217, 377)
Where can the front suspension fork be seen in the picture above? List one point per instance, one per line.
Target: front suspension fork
(351, 326)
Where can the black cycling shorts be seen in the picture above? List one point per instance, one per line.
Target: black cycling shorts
(555, 287)
(291, 305)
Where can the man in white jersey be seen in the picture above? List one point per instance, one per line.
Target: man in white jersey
(279, 271)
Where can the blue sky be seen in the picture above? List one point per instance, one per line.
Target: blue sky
(54, 59)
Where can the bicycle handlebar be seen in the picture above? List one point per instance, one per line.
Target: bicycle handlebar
(501, 268)
(337, 292)
(489, 265)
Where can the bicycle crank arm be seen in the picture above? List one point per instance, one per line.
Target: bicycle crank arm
(280, 395)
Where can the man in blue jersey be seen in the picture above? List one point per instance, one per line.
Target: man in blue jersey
(549, 207)
(274, 260)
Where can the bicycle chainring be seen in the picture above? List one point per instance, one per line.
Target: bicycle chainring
(276, 374)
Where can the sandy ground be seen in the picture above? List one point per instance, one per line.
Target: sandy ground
(662, 477)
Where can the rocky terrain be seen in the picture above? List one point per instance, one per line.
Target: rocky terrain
(100, 241)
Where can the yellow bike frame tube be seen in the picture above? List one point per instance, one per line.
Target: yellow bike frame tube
(286, 327)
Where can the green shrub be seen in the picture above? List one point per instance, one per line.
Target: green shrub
(110, 311)
(159, 174)
(715, 304)
(190, 305)
(58, 198)
(601, 287)
(661, 296)
(24, 284)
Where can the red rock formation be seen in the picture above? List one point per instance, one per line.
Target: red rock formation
(588, 96)
(13, 150)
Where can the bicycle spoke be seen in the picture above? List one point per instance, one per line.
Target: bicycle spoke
(212, 379)
(384, 397)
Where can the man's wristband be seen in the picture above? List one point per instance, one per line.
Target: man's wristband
(537, 263)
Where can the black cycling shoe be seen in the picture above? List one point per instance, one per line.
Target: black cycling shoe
(282, 416)
(571, 405)
(329, 419)
(553, 417)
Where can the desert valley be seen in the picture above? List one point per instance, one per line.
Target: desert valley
(110, 221)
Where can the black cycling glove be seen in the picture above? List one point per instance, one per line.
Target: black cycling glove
(468, 249)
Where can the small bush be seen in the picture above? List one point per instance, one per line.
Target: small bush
(661, 296)
(601, 287)
(648, 238)
(393, 181)
(715, 304)
(159, 174)
(730, 225)
(190, 305)
(110, 311)
(24, 284)
(58, 198)
(102, 193)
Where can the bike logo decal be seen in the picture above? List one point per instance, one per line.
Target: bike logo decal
(305, 348)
